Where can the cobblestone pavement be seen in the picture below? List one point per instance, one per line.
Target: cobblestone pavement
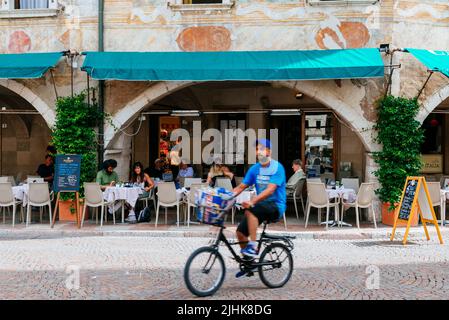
(152, 268)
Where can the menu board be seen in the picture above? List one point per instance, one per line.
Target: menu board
(67, 173)
(416, 200)
(407, 202)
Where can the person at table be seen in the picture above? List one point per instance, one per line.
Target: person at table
(138, 176)
(156, 171)
(107, 177)
(294, 179)
(47, 169)
(219, 170)
(185, 171)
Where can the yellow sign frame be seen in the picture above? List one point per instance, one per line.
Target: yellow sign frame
(417, 208)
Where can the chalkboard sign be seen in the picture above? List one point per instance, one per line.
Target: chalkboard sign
(416, 200)
(67, 173)
(407, 202)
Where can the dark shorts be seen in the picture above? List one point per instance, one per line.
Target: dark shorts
(264, 211)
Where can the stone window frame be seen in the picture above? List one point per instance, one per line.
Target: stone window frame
(341, 2)
(179, 5)
(8, 10)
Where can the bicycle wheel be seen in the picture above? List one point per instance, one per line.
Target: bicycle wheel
(279, 265)
(204, 272)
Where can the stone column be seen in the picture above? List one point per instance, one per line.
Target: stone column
(121, 151)
(370, 167)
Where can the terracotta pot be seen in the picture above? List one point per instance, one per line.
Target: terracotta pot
(388, 217)
(65, 214)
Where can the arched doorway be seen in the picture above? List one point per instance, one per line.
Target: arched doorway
(24, 135)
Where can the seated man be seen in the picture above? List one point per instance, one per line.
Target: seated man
(107, 177)
(185, 171)
(268, 176)
(298, 175)
(156, 171)
(47, 170)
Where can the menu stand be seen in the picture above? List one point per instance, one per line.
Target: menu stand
(77, 207)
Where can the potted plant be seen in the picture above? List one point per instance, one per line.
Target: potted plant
(401, 137)
(74, 133)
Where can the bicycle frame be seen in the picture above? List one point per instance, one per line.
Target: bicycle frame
(222, 238)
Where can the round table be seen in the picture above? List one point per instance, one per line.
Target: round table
(123, 194)
(341, 194)
(21, 193)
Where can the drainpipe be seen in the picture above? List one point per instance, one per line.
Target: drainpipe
(101, 83)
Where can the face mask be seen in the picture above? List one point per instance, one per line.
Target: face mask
(263, 159)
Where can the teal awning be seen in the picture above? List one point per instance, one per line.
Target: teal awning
(434, 60)
(234, 65)
(27, 65)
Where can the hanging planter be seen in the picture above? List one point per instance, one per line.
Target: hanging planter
(401, 137)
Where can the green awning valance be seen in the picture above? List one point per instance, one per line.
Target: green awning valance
(27, 65)
(434, 60)
(234, 65)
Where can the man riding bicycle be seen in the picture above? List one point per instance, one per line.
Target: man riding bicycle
(268, 176)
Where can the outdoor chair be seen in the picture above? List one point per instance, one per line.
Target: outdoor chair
(189, 201)
(7, 200)
(364, 200)
(93, 197)
(238, 180)
(3, 179)
(166, 193)
(351, 183)
(297, 193)
(318, 198)
(224, 183)
(34, 179)
(189, 181)
(151, 196)
(38, 196)
(436, 198)
(444, 181)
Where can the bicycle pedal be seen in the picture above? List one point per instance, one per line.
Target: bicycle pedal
(250, 274)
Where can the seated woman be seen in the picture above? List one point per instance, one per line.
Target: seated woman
(219, 170)
(139, 177)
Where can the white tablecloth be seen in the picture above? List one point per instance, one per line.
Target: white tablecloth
(130, 195)
(344, 193)
(21, 193)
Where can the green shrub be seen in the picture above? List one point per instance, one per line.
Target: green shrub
(74, 133)
(401, 137)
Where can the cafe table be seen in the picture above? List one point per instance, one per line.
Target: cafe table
(124, 195)
(444, 196)
(340, 194)
(21, 193)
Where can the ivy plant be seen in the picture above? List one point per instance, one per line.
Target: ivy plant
(74, 133)
(401, 137)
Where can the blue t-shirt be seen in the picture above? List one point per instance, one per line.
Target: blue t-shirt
(262, 176)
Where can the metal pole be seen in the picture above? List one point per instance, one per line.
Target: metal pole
(1, 143)
(71, 73)
(101, 83)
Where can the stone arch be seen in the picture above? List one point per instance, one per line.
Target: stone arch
(432, 102)
(313, 89)
(40, 105)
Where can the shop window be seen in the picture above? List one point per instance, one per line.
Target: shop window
(31, 4)
(319, 144)
(201, 1)
(341, 2)
(28, 8)
(201, 5)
